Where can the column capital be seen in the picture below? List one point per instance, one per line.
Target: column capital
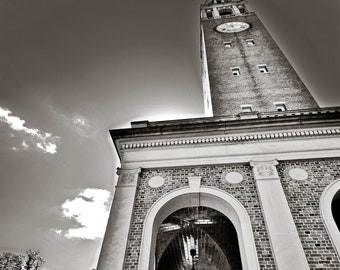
(265, 169)
(128, 177)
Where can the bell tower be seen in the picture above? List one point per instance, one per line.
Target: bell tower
(253, 186)
(243, 67)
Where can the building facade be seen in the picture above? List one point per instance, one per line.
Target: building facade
(253, 185)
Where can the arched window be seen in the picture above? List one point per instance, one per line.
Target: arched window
(209, 13)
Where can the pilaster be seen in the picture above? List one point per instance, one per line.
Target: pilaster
(117, 231)
(284, 239)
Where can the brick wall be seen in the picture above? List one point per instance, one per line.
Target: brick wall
(304, 201)
(228, 92)
(245, 192)
(303, 198)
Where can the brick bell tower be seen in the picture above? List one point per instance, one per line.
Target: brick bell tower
(253, 186)
(242, 64)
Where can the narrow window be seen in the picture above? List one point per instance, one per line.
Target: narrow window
(280, 106)
(235, 71)
(250, 42)
(225, 11)
(209, 13)
(263, 68)
(241, 9)
(247, 108)
(227, 44)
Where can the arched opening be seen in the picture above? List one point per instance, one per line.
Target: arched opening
(225, 11)
(209, 13)
(208, 197)
(207, 232)
(242, 9)
(336, 209)
(330, 207)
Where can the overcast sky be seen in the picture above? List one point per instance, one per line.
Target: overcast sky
(71, 70)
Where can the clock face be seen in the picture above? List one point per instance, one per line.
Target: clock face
(232, 27)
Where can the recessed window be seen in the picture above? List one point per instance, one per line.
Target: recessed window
(235, 71)
(280, 106)
(227, 44)
(247, 108)
(241, 9)
(263, 68)
(250, 42)
(225, 11)
(209, 13)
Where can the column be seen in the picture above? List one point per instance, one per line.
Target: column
(236, 10)
(216, 14)
(115, 241)
(284, 239)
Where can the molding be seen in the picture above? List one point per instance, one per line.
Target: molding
(327, 216)
(304, 148)
(127, 177)
(250, 137)
(264, 170)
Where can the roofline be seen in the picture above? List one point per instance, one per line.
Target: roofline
(231, 123)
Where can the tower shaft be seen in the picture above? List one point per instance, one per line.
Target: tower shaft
(245, 70)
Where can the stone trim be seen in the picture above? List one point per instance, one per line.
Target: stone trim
(263, 170)
(232, 138)
(128, 177)
(118, 227)
(284, 239)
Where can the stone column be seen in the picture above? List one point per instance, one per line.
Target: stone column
(284, 239)
(216, 14)
(117, 231)
(236, 10)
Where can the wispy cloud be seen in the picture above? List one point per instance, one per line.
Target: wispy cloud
(42, 140)
(90, 208)
(76, 122)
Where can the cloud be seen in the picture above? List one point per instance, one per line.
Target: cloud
(43, 141)
(76, 122)
(90, 209)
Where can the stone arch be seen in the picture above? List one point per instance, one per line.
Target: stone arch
(326, 212)
(208, 197)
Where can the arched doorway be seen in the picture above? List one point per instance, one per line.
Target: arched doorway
(197, 238)
(208, 197)
(329, 206)
(336, 209)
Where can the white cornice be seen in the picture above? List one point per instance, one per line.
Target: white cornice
(199, 140)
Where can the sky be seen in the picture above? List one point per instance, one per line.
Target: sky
(71, 70)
